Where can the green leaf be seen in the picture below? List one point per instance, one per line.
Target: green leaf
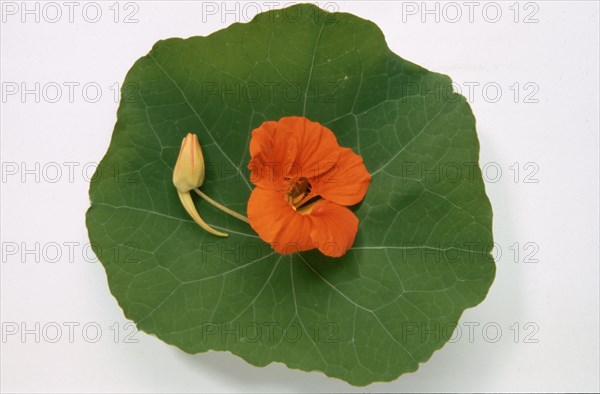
(422, 252)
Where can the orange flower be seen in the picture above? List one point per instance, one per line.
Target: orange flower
(304, 181)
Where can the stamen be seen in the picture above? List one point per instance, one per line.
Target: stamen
(298, 199)
(298, 191)
(299, 196)
(306, 209)
(305, 198)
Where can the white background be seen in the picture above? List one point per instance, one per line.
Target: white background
(552, 304)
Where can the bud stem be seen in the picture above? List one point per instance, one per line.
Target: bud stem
(188, 204)
(221, 207)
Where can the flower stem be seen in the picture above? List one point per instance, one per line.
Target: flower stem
(188, 204)
(221, 207)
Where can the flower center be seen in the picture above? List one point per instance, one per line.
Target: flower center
(299, 197)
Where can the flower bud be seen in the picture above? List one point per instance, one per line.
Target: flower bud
(189, 168)
(188, 175)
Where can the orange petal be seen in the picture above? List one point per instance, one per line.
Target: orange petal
(277, 223)
(293, 147)
(333, 228)
(269, 149)
(346, 183)
(318, 148)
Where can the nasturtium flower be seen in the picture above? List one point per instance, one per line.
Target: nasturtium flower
(304, 183)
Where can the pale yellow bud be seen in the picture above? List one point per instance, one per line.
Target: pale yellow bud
(189, 169)
(189, 175)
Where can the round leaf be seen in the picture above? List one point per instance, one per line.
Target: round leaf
(422, 252)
